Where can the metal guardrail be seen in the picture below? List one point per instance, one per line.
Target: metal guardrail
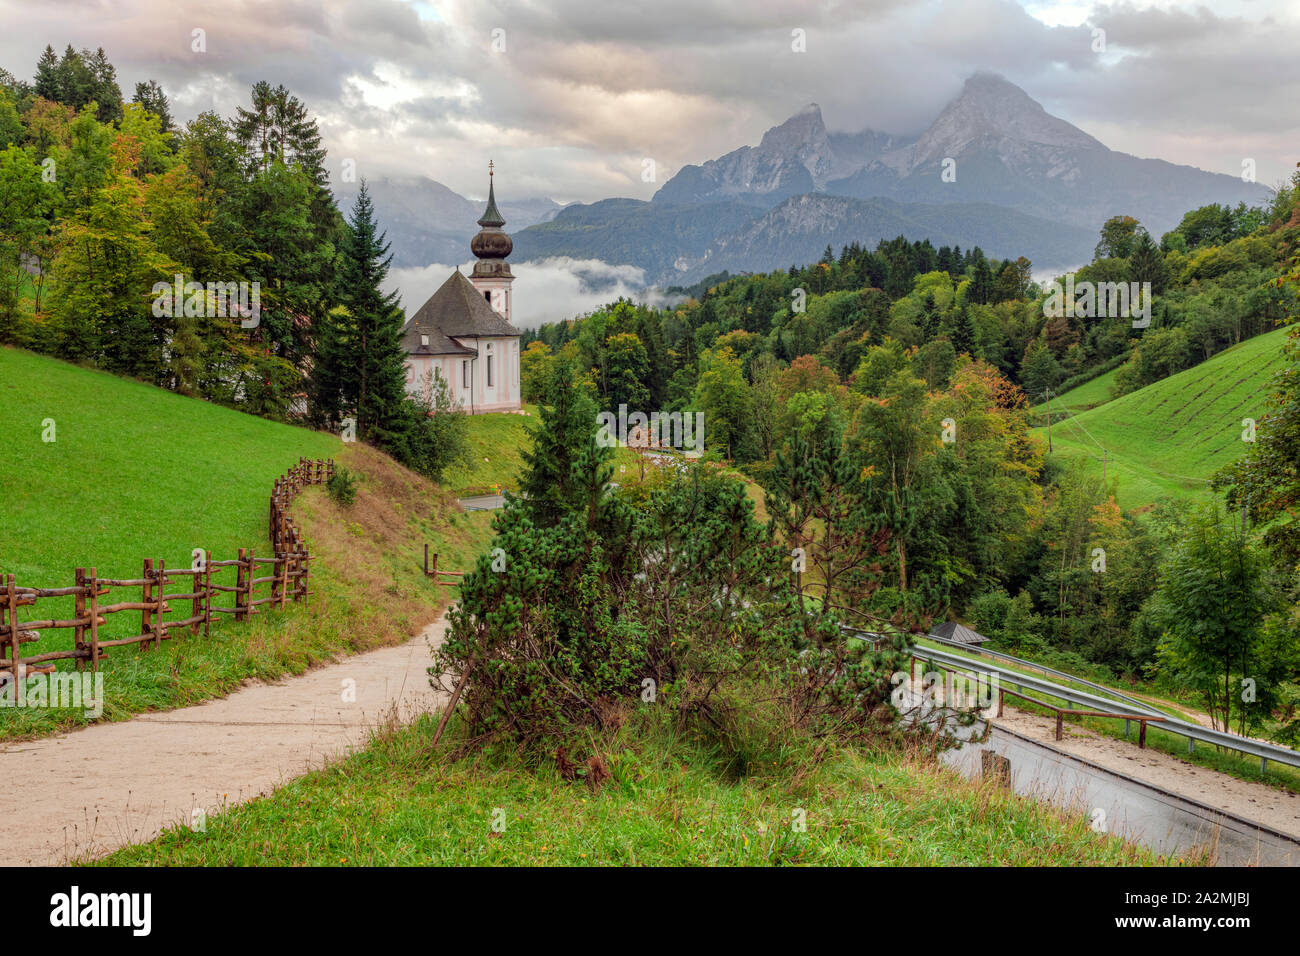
(1193, 732)
(984, 651)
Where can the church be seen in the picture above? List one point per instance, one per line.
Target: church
(463, 333)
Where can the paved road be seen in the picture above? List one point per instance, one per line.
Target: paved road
(93, 790)
(482, 502)
(1124, 805)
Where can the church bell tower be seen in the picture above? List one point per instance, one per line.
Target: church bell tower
(491, 275)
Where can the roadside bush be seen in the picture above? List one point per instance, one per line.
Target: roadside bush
(666, 593)
(434, 434)
(342, 486)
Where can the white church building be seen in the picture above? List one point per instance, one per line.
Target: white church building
(463, 333)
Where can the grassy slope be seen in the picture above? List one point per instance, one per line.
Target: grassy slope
(668, 802)
(1168, 439)
(1090, 394)
(159, 474)
(496, 446)
(134, 472)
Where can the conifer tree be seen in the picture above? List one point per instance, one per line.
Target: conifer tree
(151, 96)
(46, 82)
(367, 353)
(566, 465)
(963, 333)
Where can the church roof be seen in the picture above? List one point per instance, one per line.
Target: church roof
(456, 310)
(491, 216)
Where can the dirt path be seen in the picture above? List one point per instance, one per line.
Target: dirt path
(1278, 809)
(93, 790)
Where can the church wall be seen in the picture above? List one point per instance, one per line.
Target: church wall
(505, 394)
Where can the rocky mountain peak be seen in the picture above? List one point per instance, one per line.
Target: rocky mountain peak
(991, 110)
(801, 139)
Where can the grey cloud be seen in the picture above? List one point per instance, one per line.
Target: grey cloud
(586, 90)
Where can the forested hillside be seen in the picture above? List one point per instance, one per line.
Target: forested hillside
(882, 399)
(210, 260)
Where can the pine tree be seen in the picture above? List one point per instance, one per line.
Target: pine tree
(47, 75)
(151, 96)
(107, 94)
(373, 370)
(278, 128)
(566, 465)
(981, 286)
(1147, 262)
(963, 333)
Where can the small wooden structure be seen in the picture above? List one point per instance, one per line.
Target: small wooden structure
(431, 569)
(957, 633)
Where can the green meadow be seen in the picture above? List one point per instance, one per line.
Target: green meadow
(1169, 438)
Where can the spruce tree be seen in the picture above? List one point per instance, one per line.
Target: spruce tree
(963, 333)
(46, 82)
(981, 286)
(566, 468)
(369, 352)
(151, 96)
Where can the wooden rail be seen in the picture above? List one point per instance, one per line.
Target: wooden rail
(288, 565)
(431, 569)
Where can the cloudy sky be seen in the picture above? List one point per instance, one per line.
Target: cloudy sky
(570, 96)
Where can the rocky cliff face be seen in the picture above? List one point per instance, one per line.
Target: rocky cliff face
(1005, 149)
(796, 157)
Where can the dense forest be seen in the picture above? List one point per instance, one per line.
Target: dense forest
(881, 399)
(105, 201)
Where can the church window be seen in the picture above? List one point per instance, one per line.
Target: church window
(464, 372)
(489, 371)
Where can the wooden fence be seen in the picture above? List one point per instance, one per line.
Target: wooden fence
(285, 572)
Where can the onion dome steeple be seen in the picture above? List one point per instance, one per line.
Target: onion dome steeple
(491, 242)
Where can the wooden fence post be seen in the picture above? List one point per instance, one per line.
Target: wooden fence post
(158, 617)
(14, 656)
(207, 593)
(79, 614)
(278, 556)
(146, 599)
(240, 613)
(196, 602)
(92, 581)
(284, 575)
(250, 588)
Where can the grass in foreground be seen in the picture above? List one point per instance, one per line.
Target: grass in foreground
(667, 802)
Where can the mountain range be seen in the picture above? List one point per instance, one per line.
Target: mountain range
(1018, 181)
(428, 222)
